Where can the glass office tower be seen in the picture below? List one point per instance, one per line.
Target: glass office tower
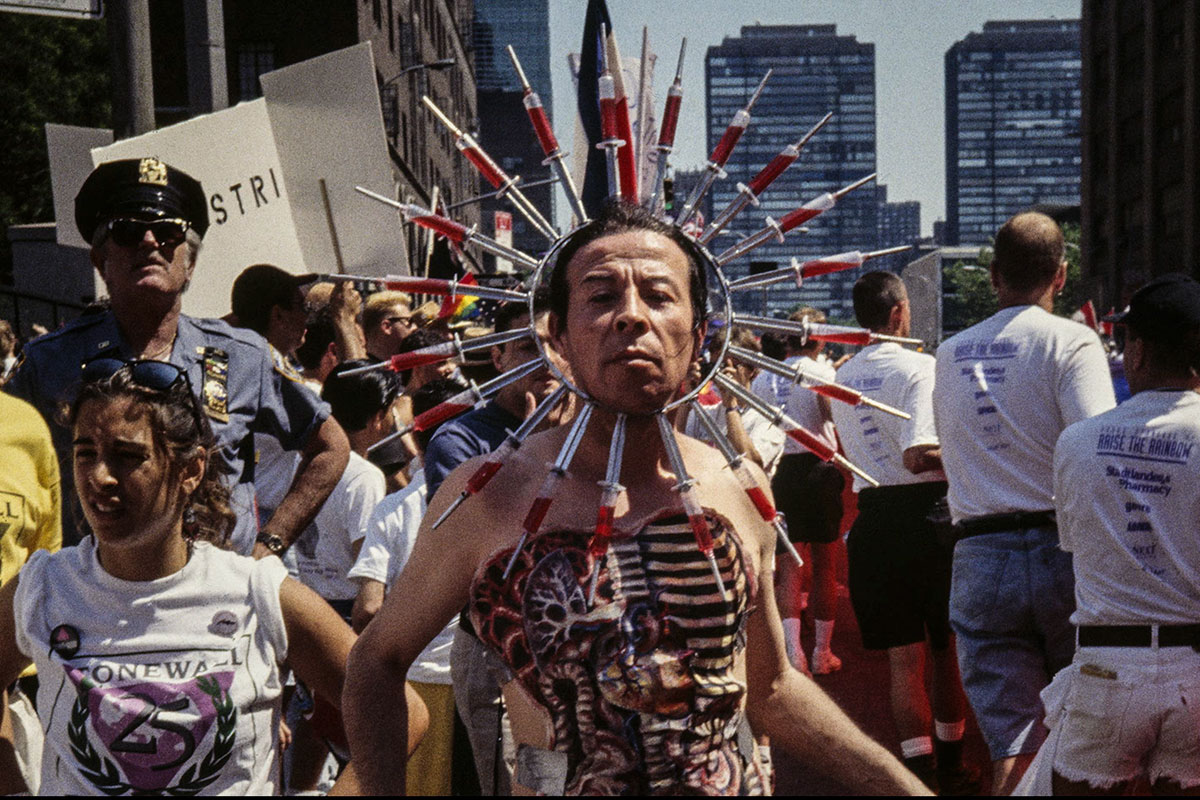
(1012, 124)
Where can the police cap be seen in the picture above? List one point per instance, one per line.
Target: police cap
(142, 187)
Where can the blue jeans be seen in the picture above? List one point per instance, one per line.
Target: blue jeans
(1011, 598)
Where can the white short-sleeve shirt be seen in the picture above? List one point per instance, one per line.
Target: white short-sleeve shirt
(168, 686)
(1127, 491)
(873, 439)
(805, 406)
(391, 534)
(1006, 388)
(324, 553)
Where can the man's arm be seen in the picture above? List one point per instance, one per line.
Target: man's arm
(427, 594)
(322, 462)
(922, 458)
(800, 717)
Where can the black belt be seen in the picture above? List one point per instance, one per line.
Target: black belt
(996, 523)
(1139, 636)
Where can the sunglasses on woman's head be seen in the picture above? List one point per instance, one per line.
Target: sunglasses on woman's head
(157, 376)
(128, 232)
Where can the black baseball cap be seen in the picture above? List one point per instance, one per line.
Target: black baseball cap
(262, 286)
(1167, 304)
(140, 187)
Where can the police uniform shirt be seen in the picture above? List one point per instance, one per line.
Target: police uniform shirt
(874, 440)
(230, 369)
(1006, 389)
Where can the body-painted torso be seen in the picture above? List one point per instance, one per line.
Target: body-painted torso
(642, 687)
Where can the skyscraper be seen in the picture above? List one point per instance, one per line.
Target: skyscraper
(504, 130)
(899, 223)
(1012, 124)
(525, 24)
(815, 71)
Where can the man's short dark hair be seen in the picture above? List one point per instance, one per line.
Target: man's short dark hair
(619, 217)
(432, 394)
(1176, 353)
(355, 399)
(1028, 252)
(319, 333)
(261, 287)
(507, 314)
(875, 295)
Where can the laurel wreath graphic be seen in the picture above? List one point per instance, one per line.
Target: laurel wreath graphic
(102, 773)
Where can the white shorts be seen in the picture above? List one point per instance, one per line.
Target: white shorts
(1125, 710)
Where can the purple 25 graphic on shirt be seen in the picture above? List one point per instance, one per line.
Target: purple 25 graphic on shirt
(152, 730)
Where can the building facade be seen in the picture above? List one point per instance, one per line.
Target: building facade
(815, 71)
(1012, 124)
(420, 47)
(1140, 210)
(899, 223)
(504, 128)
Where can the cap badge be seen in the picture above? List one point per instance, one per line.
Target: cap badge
(151, 170)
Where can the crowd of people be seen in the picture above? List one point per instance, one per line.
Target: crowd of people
(219, 571)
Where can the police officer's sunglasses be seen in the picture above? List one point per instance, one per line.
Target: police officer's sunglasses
(157, 376)
(168, 232)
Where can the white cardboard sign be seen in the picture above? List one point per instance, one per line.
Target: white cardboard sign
(232, 153)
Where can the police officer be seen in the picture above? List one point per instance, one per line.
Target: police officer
(145, 220)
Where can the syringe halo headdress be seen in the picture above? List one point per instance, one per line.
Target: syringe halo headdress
(618, 143)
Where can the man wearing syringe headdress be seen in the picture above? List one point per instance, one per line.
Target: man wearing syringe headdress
(635, 665)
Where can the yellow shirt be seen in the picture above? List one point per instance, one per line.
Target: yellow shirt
(30, 497)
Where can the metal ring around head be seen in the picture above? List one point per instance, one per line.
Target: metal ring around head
(719, 313)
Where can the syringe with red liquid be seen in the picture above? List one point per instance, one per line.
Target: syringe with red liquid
(748, 195)
(463, 401)
(796, 374)
(444, 351)
(545, 135)
(610, 136)
(611, 489)
(686, 487)
(799, 271)
(776, 230)
(720, 154)
(492, 173)
(558, 471)
(737, 463)
(806, 438)
(497, 458)
(666, 131)
(454, 231)
(822, 331)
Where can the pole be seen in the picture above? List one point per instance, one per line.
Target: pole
(132, 79)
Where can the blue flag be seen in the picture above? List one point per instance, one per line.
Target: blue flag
(595, 180)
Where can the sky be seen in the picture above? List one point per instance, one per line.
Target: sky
(911, 38)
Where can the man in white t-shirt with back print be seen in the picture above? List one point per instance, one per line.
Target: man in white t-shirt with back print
(1005, 389)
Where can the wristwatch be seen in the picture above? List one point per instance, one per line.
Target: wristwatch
(271, 542)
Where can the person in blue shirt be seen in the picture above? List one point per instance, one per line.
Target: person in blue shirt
(145, 220)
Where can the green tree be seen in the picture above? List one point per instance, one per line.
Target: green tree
(55, 70)
(973, 299)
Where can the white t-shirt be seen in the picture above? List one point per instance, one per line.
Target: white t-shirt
(1006, 389)
(875, 440)
(806, 406)
(766, 438)
(391, 534)
(325, 551)
(1127, 489)
(170, 684)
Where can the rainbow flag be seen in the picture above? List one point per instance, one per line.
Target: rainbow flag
(460, 307)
